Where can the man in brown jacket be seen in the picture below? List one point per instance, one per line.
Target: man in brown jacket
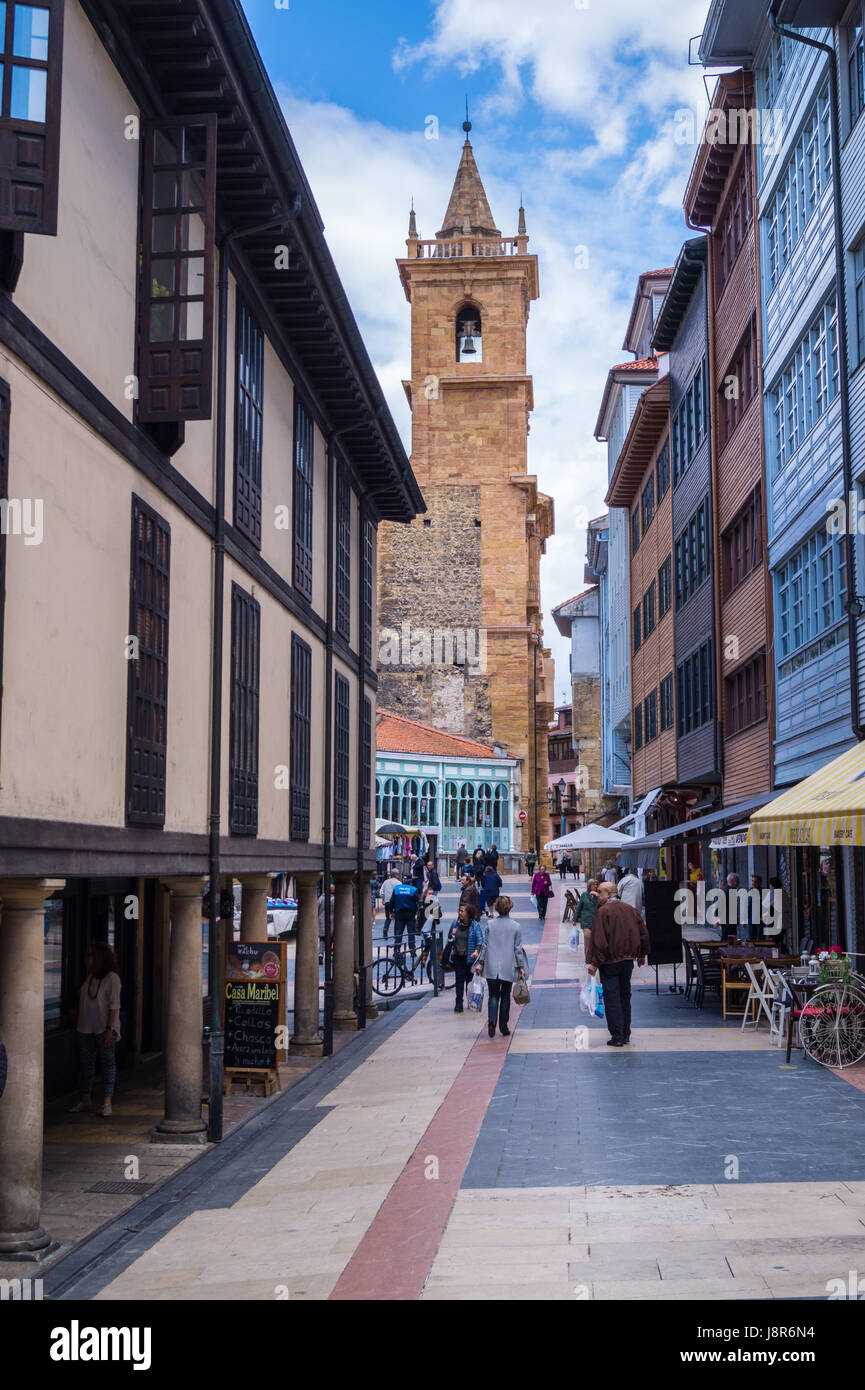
(471, 897)
(618, 938)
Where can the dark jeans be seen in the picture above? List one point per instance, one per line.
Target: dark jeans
(542, 905)
(90, 1045)
(616, 980)
(499, 1002)
(463, 970)
(400, 922)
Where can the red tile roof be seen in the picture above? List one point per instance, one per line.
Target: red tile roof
(394, 734)
(642, 364)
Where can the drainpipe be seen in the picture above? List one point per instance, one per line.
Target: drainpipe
(216, 964)
(840, 284)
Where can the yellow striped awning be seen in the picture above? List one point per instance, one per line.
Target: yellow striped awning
(828, 808)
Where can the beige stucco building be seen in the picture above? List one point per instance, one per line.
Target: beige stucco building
(470, 566)
(196, 457)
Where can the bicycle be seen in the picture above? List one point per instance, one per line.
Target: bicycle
(832, 1023)
(391, 971)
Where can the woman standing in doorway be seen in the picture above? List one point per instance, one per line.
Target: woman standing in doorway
(98, 1024)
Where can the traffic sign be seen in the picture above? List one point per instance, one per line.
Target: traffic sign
(523, 817)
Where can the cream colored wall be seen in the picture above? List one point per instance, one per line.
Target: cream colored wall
(319, 526)
(63, 748)
(274, 720)
(277, 466)
(340, 668)
(80, 286)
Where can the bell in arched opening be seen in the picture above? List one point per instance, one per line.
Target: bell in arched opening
(469, 343)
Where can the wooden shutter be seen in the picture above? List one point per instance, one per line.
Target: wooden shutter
(245, 643)
(303, 483)
(147, 696)
(342, 760)
(248, 424)
(30, 116)
(301, 698)
(343, 556)
(368, 532)
(366, 774)
(177, 268)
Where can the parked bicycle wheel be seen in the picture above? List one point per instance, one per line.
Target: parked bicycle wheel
(387, 976)
(446, 980)
(832, 1025)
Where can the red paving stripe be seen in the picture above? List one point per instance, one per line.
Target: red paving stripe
(395, 1256)
(548, 952)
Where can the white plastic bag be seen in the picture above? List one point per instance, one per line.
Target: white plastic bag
(592, 997)
(573, 938)
(476, 993)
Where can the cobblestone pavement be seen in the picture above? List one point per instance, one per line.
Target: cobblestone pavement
(429, 1161)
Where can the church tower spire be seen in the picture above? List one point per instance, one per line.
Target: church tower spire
(468, 201)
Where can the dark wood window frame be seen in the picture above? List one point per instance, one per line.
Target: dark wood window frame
(638, 728)
(366, 773)
(695, 690)
(147, 689)
(745, 694)
(304, 482)
(650, 716)
(341, 759)
(245, 686)
(248, 422)
(742, 543)
(30, 149)
(665, 589)
(343, 554)
(662, 470)
(637, 638)
(367, 581)
(175, 310)
(666, 701)
(647, 503)
(301, 712)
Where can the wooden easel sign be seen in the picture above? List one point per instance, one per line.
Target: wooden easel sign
(254, 1010)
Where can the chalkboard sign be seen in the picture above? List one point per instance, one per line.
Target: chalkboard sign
(252, 1016)
(665, 933)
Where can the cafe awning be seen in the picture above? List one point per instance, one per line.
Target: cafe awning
(828, 808)
(646, 850)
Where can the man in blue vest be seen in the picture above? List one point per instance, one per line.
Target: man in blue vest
(404, 903)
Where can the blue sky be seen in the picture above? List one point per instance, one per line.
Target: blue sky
(573, 105)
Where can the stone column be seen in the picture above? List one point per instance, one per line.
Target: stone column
(22, 1029)
(182, 1122)
(344, 1015)
(306, 1040)
(366, 937)
(253, 906)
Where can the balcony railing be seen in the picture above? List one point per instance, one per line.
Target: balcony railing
(467, 246)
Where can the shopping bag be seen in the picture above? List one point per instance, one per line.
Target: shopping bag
(592, 996)
(476, 993)
(573, 938)
(534, 901)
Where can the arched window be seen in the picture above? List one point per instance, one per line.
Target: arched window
(467, 806)
(429, 804)
(409, 802)
(500, 808)
(390, 800)
(379, 799)
(485, 806)
(469, 343)
(451, 804)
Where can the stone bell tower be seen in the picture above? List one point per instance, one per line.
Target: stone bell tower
(460, 629)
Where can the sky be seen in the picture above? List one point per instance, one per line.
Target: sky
(574, 108)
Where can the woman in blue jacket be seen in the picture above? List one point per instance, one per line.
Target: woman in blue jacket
(465, 931)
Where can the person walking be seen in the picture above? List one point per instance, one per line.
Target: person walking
(467, 936)
(492, 887)
(491, 858)
(470, 896)
(461, 860)
(542, 888)
(564, 865)
(97, 1025)
(617, 939)
(431, 877)
(531, 861)
(609, 874)
(502, 960)
(587, 908)
(405, 904)
(576, 865)
(478, 865)
(385, 893)
(631, 891)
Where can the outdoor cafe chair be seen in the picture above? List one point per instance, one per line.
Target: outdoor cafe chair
(782, 1002)
(759, 999)
(709, 976)
(569, 914)
(690, 966)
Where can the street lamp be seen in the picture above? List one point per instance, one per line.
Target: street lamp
(562, 786)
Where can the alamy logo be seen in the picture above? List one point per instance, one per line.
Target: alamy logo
(437, 646)
(21, 1290)
(22, 516)
(77, 1343)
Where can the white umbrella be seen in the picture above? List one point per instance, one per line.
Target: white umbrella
(591, 837)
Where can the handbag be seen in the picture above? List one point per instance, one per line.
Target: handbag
(520, 993)
(447, 956)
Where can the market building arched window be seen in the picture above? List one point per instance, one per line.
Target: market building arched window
(428, 804)
(410, 809)
(500, 808)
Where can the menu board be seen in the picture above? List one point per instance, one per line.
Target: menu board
(254, 1004)
(252, 1016)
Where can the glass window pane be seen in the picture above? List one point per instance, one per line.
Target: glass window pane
(30, 36)
(165, 190)
(164, 148)
(192, 275)
(193, 190)
(29, 93)
(161, 323)
(194, 144)
(162, 285)
(191, 329)
(3, 27)
(191, 233)
(164, 236)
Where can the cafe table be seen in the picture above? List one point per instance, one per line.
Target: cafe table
(733, 961)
